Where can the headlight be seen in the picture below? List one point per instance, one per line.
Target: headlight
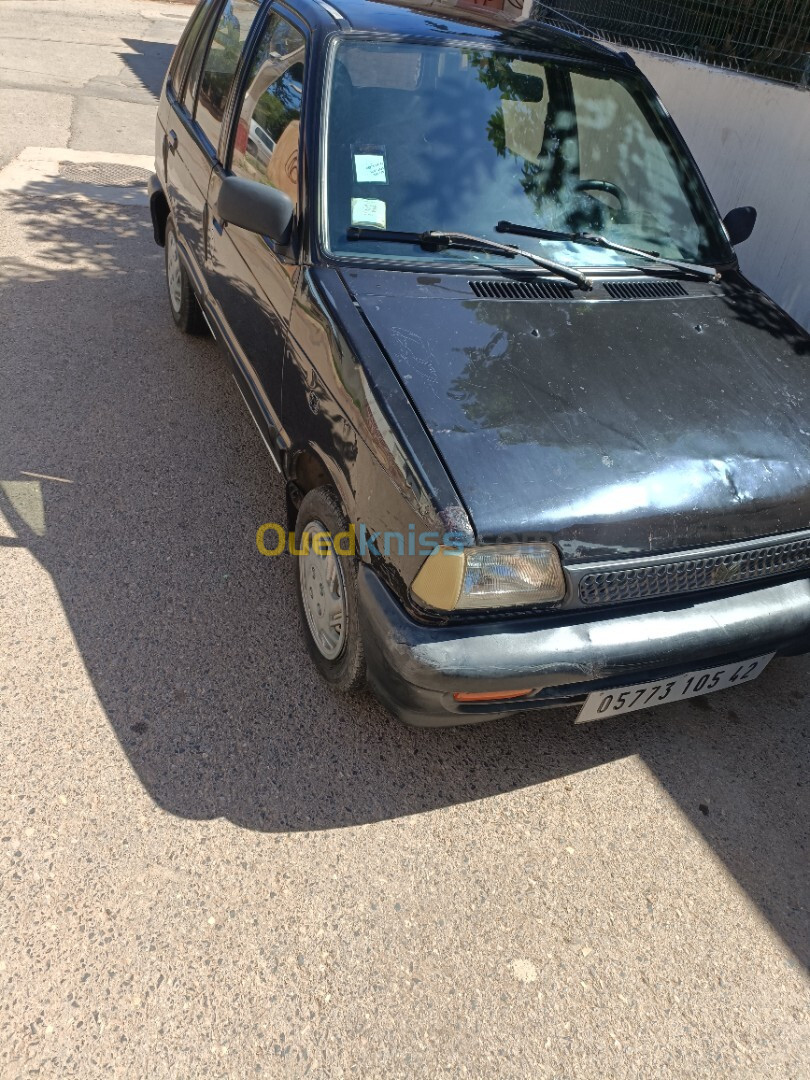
(497, 576)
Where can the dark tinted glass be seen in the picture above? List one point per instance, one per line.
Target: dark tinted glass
(193, 77)
(266, 141)
(220, 64)
(185, 49)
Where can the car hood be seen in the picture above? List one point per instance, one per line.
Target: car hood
(613, 427)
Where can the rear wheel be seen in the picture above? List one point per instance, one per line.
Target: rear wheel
(184, 305)
(327, 590)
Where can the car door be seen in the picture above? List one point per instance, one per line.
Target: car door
(192, 140)
(253, 280)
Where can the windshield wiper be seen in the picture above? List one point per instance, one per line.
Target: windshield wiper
(595, 240)
(436, 240)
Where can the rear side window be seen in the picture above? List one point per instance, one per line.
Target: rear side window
(190, 92)
(267, 134)
(183, 53)
(220, 64)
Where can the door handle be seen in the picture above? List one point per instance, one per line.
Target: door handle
(171, 141)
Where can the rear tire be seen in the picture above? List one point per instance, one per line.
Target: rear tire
(184, 306)
(327, 592)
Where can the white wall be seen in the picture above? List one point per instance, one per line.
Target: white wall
(751, 139)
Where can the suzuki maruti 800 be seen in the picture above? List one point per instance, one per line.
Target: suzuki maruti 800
(543, 443)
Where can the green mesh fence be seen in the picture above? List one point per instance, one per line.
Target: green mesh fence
(770, 38)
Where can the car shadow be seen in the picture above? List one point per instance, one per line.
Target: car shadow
(148, 61)
(190, 637)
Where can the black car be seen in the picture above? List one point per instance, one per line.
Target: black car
(543, 443)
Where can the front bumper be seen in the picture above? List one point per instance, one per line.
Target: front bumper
(415, 669)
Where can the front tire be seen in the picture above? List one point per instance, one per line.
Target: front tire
(185, 308)
(327, 591)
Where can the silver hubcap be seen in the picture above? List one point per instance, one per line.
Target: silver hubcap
(174, 272)
(322, 590)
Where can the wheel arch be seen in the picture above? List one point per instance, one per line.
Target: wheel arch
(159, 209)
(308, 468)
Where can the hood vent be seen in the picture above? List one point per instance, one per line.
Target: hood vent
(643, 290)
(498, 289)
(543, 289)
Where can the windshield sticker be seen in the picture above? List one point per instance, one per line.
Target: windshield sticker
(369, 213)
(369, 164)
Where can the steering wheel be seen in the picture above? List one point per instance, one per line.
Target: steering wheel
(606, 186)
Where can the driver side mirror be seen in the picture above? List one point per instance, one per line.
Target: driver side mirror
(257, 208)
(740, 223)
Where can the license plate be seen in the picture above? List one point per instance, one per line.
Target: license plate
(603, 703)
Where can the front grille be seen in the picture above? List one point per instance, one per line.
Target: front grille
(691, 575)
(496, 289)
(643, 290)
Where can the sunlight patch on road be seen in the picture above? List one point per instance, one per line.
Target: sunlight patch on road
(691, 880)
(25, 499)
(6, 531)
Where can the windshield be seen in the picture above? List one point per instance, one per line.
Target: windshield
(423, 137)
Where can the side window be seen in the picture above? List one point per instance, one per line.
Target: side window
(184, 50)
(266, 141)
(193, 79)
(220, 64)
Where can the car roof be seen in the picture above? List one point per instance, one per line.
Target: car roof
(445, 19)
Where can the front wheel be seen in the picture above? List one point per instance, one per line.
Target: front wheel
(184, 305)
(327, 589)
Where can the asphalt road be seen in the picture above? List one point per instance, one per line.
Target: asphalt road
(211, 865)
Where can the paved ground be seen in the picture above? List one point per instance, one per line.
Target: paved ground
(213, 867)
